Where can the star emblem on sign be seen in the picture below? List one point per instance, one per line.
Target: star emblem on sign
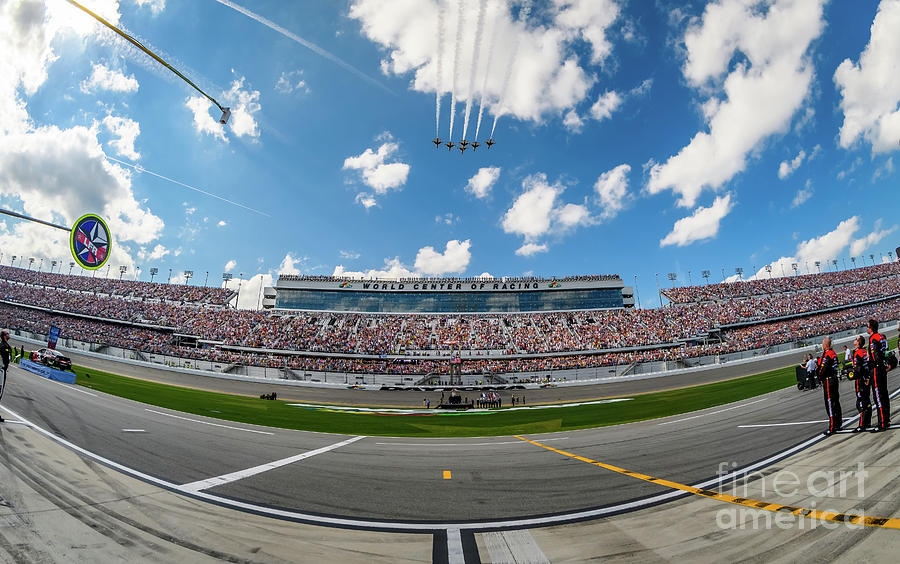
(90, 242)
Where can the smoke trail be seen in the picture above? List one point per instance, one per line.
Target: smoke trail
(523, 15)
(476, 48)
(459, 28)
(487, 73)
(440, 69)
(139, 168)
(308, 44)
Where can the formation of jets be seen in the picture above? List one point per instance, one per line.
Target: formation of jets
(463, 145)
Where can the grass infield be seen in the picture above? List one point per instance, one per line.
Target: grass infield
(500, 422)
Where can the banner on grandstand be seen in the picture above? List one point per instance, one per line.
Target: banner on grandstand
(90, 242)
(52, 337)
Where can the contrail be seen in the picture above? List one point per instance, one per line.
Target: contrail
(459, 27)
(523, 15)
(487, 72)
(440, 69)
(309, 45)
(139, 168)
(476, 47)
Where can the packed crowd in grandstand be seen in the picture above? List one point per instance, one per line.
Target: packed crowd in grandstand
(702, 320)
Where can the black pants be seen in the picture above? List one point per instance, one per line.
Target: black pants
(832, 404)
(882, 400)
(863, 403)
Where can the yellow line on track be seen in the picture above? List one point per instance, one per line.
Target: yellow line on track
(881, 522)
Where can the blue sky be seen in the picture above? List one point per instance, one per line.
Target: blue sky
(635, 137)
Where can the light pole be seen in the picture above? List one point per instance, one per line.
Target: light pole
(834, 263)
(122, 270)
(206, 280)
(71, 266)
(872, 258)
(690, 280)
(672, 277)
(188, 274)
(794, 265)
(658, 289)
(723, 275)
(153, 272)
(740, 273)
(705, 274)
(240, 281)
(853, 260)
(137, 273)
(226, 276)
(41, 265)
(637, 292)
(30, 262)
(14, 257)
(108, 269)
(818, 266)
(769, 270)
(169, 279)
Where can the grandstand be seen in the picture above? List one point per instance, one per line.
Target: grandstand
(449, 295)
(191, 323)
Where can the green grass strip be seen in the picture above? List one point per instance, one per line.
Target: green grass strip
(503, 422)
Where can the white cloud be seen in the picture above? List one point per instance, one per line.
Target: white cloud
(544, 76)
(454, 259)
(156, 6)
(289, 264)
(824, 249)
(244, 104)
(366, 200)
(377, 174)
(158, 252)
(529, 249)
(104, 78)
(612, 189)
(884, 170)
(222, 223)
(702, 224)
(393, 270)
(859, 246)
(203, 121)
(483, 181)
(244, 107)
(787, 168)
(803, 195)
(870, 89)
(751, 96)
(606, 104)
(589, 20)
(531, 213)
(535, 211)
(348, 255)
(446, 219)
(229, 266)
(573, 122)
(291, 82)
(127, 131)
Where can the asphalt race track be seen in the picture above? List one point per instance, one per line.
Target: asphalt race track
(375, 481)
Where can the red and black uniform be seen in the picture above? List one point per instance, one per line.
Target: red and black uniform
(878, 370)
(863, 379)
(828, 376)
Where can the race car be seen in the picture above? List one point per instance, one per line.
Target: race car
(52, 358)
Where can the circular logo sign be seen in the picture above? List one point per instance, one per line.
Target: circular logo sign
(90, 242)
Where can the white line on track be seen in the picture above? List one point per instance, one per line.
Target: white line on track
(791, 423)
(713, 412)
(246, 473)
(76, 389)
(134, 430)
(470, 444)
(208, 423)
(455, 553)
